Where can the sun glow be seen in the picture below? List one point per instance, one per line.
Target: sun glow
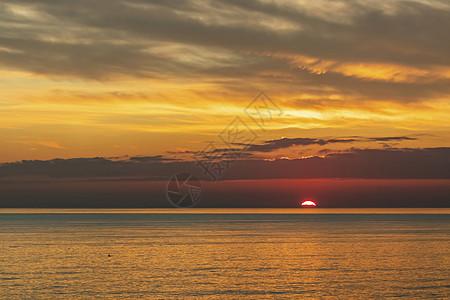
(308, 203)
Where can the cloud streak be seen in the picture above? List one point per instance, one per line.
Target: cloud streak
(273, 145)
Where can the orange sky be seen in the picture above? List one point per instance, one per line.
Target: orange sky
(148, 79)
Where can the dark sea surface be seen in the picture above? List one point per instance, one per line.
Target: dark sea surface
(224, 254)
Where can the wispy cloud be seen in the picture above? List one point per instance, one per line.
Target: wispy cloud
(50, 144)
(36, 142)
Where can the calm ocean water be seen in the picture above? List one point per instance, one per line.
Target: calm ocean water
(225, 254)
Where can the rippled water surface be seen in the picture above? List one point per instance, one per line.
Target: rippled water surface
(224, 254)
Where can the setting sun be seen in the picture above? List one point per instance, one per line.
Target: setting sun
(308, 203)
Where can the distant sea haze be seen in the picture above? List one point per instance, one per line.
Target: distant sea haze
(129, 193)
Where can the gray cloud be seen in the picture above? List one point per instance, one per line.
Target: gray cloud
(154, 158)
(391, 138)
(392, 163)
(150, 166)
(272, 145)
(249, 150)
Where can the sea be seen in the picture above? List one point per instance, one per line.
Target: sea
(304, 253)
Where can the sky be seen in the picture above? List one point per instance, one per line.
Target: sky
(143, 88)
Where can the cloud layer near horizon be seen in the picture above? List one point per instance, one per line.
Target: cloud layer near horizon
(429, 163)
